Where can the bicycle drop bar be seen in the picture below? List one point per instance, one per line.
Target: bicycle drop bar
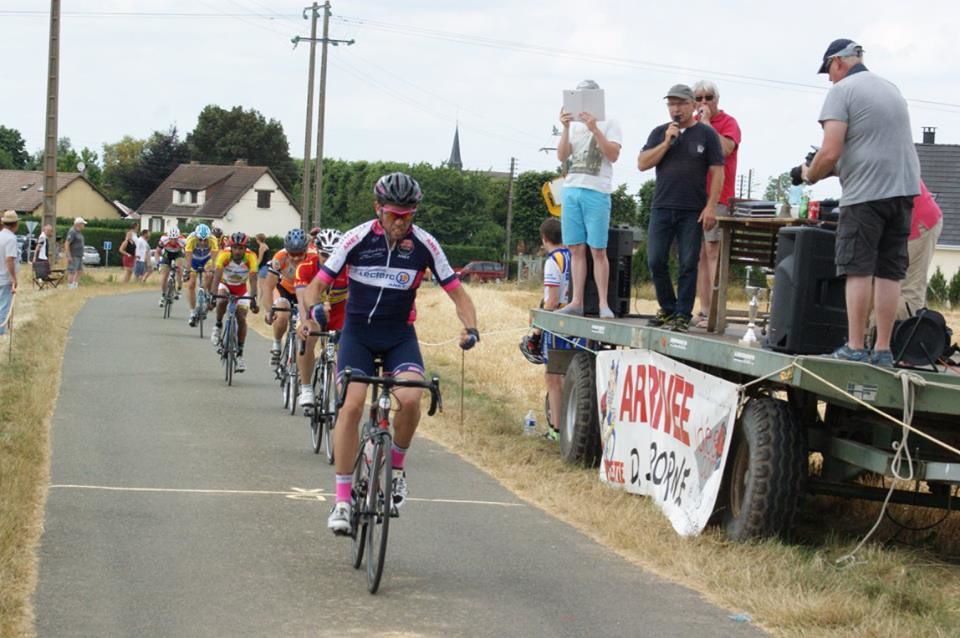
(237, 297)
(433, 385)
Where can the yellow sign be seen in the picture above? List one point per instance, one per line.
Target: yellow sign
(551, 195)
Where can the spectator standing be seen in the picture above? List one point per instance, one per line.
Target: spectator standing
(128, 253)
(41, 258)
(926, 224)
(73, 249)
(142, 255)
(707, 96)
(10, 256)
(868, 144)
(684, 152)
(264, 254)
(589, 148)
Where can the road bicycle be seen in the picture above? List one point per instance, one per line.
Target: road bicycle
(373, 469)
(170, 291)
(200, 310)
(286, 371)
(229, 339)
(322, 414)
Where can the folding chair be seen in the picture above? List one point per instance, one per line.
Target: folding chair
(44, 276)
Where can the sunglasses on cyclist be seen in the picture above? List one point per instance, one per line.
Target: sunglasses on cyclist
(701, 98)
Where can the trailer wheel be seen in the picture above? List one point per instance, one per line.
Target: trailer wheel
(579, 423)
(766, 471)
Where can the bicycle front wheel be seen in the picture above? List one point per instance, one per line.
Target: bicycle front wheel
(358, 523)
(329, 408)
(379, 503)
(231, 336)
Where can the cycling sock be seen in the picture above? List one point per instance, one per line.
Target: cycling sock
(276, 345)
(397, 456)
(344, 484)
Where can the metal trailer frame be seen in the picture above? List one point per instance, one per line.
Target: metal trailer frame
(851, 439)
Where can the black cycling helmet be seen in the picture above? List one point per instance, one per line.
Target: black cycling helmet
(398, 188)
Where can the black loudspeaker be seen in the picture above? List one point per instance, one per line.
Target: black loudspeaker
(808, 313)
(620, 257)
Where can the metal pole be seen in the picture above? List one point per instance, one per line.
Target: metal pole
(750, 184)
(50, 146)
(321, 108)
(308, 134)
(513, 163)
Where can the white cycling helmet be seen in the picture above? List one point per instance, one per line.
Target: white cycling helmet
(173, 233)
(327, 240)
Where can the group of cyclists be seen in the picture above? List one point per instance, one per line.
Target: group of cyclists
(361, 284)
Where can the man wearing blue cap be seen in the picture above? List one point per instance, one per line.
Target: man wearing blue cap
(867, 143)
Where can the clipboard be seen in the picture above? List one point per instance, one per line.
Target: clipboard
(584, 101)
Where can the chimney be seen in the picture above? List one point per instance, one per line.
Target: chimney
(929, 134)
(240, 162)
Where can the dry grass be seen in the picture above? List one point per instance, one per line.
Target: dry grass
(791, 589)
(28, 390)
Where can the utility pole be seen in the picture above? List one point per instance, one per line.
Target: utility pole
(750, 184)
(508, 252)
(50, 146)
(308, 134)
(318, 188)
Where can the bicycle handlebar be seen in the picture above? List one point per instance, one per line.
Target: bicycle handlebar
(436, 400)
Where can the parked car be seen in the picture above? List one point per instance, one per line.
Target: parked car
(25, 248)
(482, 272)
(91, 256)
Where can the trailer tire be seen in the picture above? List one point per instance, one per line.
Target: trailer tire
(766, 471)
(579, 423)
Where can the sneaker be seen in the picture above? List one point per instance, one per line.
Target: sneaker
(679, 323)
(215, 336)
(339, 519)
(846, 353)
(306, 396)
(882, 358)
(399, 489)
(660, 319)
(551, 434)
(241, 365)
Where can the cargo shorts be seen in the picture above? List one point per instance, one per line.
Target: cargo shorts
(872, 238)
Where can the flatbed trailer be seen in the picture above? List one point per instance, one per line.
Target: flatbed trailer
(795, 405)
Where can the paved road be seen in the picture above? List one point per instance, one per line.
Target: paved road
(181, 507)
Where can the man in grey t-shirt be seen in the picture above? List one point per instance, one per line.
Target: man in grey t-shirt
(867, 143)
(73, 247)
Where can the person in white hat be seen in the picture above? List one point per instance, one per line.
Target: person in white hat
(73, 249)
(10, 256)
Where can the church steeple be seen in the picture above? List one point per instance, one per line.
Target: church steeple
(454, 161)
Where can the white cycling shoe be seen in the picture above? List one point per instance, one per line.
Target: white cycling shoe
(339, 520)
(241, 365)
(215, 336)
(306, 396)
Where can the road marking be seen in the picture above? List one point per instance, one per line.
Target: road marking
(294, 493)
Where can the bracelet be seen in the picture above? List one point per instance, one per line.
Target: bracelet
(475, 333)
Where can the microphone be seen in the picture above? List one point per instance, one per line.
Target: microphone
(673, 142)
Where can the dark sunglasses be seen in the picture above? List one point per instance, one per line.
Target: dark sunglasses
(701, 98)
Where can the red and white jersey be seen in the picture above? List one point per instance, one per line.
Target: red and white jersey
(172, 245)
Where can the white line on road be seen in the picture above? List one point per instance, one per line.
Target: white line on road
(295, 493)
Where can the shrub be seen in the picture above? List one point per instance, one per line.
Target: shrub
(953, 291)
(937, 287)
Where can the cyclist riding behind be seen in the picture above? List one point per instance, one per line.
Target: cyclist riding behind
(201, 251)
(334, 301)
(235, 273)
(170, 250)
(388, 257)
(279, 291)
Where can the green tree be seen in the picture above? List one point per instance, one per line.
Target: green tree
(121, 165)
(623, 206)
(222, 137)
(645, 195)
(777, 187)
(529, 209)
(68, 161)
(13, 152)
(953, 290)
(937, 287)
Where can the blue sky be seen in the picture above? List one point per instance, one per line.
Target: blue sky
(497, 67)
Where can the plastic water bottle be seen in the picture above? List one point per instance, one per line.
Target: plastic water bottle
(530, 424)
(804, 204)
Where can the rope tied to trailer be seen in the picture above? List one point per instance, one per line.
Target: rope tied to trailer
(909, 381)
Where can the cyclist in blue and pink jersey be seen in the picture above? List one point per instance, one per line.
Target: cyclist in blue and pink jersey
(387, 258)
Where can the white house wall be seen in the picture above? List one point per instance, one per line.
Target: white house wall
(948, 259)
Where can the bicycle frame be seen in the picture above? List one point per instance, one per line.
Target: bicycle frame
(230, 336)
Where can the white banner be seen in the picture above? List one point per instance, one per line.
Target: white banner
(666, 431)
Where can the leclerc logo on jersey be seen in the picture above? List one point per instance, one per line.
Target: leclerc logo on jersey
(381, 277)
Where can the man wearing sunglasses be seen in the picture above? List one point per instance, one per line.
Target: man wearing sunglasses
(867, 143)
(387, 258)
(707, 96)
(684, 152)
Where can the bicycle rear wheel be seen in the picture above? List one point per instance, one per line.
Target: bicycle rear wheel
(358, 523)
(317, 429)
(329, 408)
(379, 501)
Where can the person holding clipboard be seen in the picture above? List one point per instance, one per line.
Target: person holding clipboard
(588, 147)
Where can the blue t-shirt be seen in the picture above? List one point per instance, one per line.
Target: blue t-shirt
(682, 173)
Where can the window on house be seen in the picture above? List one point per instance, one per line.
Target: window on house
(263, 199)
(193, 197)
(156, 224)
(181, 222)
